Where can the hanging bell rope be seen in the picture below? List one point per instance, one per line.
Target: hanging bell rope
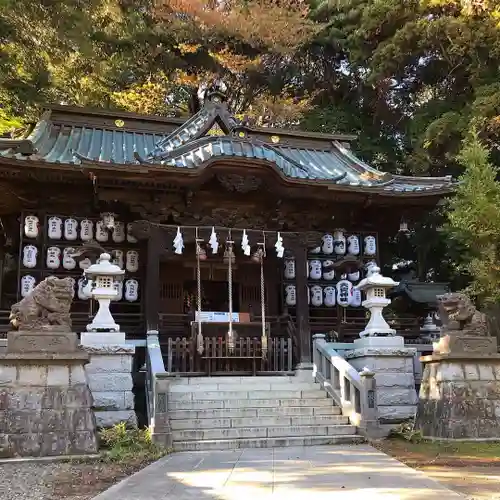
(199, 334)
(263, 296)
(230, 336)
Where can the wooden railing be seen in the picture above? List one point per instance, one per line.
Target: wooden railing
(354, 392)
(218, 357)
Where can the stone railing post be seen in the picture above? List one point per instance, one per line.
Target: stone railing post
(318, 339)
(161, 431)
(369, 408)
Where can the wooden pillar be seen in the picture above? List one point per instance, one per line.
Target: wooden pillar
(302, 307)
(152, 295)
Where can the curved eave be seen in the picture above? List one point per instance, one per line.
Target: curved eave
(170, 171)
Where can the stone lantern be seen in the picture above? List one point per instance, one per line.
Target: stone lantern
(104, 275)
(375, 286)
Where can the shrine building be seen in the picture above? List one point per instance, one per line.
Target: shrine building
(233, 239)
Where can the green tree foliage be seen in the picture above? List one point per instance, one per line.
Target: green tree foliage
(149, 56)
(474, 220)
(417, 71)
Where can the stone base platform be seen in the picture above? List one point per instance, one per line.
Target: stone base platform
(45, 404)
(392, 364)
(110, 379)
(460, 397)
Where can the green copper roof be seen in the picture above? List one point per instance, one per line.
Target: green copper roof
(188, 147)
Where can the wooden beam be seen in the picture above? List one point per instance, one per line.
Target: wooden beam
(152, 305)
(303, 326)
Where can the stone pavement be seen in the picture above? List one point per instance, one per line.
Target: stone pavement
(351, 472)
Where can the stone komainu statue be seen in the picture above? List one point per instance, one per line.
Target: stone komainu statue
(47, 307)
(459, 316)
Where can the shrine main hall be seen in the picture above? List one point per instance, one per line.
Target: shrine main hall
(238, 243)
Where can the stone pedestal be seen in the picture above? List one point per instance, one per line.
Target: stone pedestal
(110, 377)
(45, 402)
(460, 396)
(392, 364)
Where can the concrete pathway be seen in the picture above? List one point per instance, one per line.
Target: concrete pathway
(351, 472)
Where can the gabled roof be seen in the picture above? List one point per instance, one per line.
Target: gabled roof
(73, 136)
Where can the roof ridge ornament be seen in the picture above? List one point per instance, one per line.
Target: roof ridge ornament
(212, 92)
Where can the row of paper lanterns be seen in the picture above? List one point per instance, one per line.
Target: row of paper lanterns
(128, 289)
(53, 260)
(343, 294)
(56, 228)
(339, 244)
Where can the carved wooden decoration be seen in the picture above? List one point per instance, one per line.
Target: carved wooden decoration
(240, 183)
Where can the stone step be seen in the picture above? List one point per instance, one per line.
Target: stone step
(217, 404)
(256, 412)
(281, 442)
(262, 432)
(220, 423)
(257, 385)
(232, 380)
(242, 395)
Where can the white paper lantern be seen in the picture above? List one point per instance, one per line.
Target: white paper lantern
(356, 298)
(86, 230)
(131, 290)
(329, 296)
(53, 260)
(353, 245)
(353, 276)
(328, 275)
(54, 228)
(101, 233)
(344, 293)
(315, 269)
(289, 272)
(315, 250)
(70, 229)
(30, 253)
(327, 244)
(130, 237)
(339, 242)
(69, 262)
(84, 289)
(118, 258)
(132, 261)
(31, 226)
(370, 245)
(316, 296)
(290, 295)
(28, 282)
(119, 291)
(118, 234)
(85, 263)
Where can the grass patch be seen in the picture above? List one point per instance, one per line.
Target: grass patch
(408, 446)
(120, 444)
(122, 453)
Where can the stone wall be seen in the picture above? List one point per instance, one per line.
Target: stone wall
(394, 376)
(110, 379)
(460, 397)
(45, 406)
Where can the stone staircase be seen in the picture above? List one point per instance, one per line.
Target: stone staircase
(220, 413)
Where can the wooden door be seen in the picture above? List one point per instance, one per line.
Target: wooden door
(172, 277)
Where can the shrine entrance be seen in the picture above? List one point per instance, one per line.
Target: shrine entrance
(221, 314)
